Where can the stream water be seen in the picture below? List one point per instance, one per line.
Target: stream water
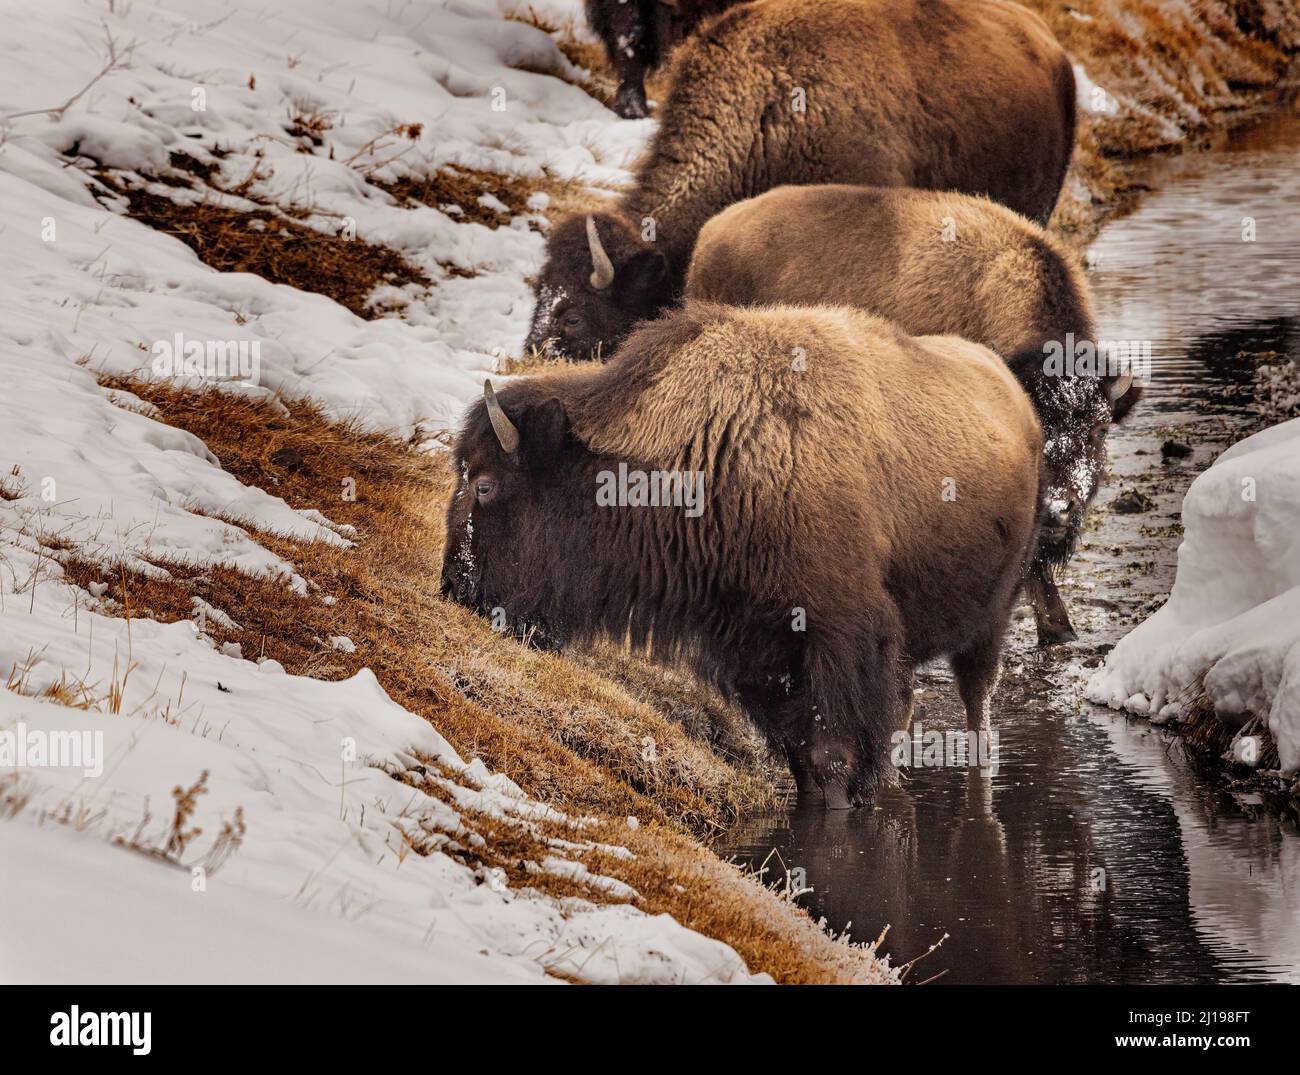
(1098, 851)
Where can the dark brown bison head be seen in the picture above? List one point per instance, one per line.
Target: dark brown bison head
(1076, 414)
(513, 475)
(599, 280)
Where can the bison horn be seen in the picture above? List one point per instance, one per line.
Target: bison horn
(602, 269)
(1120, 386)
(505, 429)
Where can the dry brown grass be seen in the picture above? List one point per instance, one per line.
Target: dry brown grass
(603, 735)
(532, 361)
(1210, 736)
(277, 249)
(1180, 72)
(462, 187)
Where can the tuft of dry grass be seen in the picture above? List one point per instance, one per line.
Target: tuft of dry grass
(455, 185)
(12, 485)
(603, 735)
(532, 361)
(1207, 734)
(308, 124)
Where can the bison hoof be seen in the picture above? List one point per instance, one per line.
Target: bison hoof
(630, 103)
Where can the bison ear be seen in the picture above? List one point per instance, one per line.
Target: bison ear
(1026, 365)
(545, 430)
(642, 282)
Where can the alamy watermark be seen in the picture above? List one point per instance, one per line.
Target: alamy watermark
(944, 748)
(75, 1027)
(1073, 357)
(26, 747)
(627, 488)
(208, 360)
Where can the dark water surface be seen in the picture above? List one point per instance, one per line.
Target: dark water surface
(1097, 851)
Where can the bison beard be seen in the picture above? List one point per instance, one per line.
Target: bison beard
(802, 590)
(967, 95)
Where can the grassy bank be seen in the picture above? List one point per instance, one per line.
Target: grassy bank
(653, 760)
(658, 762)
(1165, 77)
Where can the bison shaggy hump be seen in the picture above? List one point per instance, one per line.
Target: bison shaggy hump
(968, 95)
(850, 526)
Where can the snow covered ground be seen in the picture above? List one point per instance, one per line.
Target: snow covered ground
(301, 870)
(1232, 621)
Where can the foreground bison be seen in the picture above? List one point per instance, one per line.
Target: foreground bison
(969, 95)
(639, 34)
(823, 524)
(940, 263)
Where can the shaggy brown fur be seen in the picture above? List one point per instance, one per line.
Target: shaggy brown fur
(937, 263)
(639, 34)
(969, 95)
(827, 448)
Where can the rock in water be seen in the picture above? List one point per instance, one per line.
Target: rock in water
(1132, 502)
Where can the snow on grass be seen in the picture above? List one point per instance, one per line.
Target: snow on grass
(294, 858)
(1232, 622)
(227, 91)
(327, 832)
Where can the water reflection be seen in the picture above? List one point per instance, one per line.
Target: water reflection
(1214, 251)
(1067, 866)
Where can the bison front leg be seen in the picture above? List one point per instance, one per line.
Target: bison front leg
(776, 705)
(1050, 614)
(801, 770)
(630, 43)
(977, 670)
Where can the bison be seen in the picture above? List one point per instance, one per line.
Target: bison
(969, 95)
(941, 263)
(823, 525)
(639, 34)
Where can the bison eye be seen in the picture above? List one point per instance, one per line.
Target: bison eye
(571, 321)
(485, 489)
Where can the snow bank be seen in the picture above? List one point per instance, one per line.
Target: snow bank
(1233, 617)
(324, 870)
(322, 885)
(223, 88)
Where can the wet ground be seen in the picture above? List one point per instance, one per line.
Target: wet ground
(1097, 850)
